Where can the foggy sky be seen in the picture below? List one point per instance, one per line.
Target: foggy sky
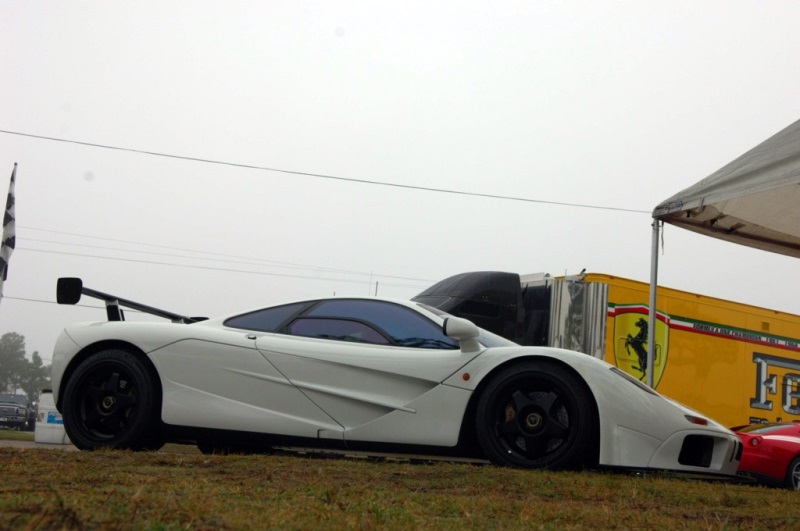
(547, 105)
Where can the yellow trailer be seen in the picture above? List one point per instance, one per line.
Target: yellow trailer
(734, 362)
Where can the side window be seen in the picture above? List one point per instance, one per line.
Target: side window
(339, 329)
(267, 320)
(405, 326)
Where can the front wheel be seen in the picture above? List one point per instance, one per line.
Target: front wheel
(112, 401)
(537, 415)
(793, 474)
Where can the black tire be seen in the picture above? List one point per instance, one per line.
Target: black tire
(793, 475)
(537, 415)
(112, 401)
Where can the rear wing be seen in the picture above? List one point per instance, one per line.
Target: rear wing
(69, 291)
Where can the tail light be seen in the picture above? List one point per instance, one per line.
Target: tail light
(697, 420)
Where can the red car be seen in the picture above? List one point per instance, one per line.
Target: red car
(771, 453)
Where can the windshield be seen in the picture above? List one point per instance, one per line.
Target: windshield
(485, 338)
(14, 399)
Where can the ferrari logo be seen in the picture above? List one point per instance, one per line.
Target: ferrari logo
(630, 343)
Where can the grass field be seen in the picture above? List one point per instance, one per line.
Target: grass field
(180, 488)
(13, 435)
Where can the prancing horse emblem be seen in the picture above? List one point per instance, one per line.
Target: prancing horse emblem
(639, 345)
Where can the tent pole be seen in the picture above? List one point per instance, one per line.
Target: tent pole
(651, 323)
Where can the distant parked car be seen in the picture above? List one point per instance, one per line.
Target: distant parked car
(771, 453)
(14, 410)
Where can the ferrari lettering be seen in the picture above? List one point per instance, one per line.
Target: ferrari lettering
(791, 394)
(767, 383)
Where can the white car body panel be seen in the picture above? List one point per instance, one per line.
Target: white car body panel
(635, 426)
(274, 381)
(359, 383)
(213, 376)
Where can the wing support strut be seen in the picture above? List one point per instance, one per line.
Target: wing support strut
(69, 291)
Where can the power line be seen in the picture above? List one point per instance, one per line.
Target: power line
(42, 301)
(227, 270)
(225, 258)
(324, 176)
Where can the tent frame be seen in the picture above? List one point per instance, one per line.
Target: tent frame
(651, 322)
(751, 201)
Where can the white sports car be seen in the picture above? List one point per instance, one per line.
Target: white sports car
(364, 374)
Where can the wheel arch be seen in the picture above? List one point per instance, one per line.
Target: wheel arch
(788, 477)
(468, 437)
(100, 346)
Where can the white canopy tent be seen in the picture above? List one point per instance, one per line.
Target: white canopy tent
(753, 201)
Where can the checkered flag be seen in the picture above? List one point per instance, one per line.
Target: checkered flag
(9, 237)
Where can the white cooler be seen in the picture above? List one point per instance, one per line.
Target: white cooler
(49, 424)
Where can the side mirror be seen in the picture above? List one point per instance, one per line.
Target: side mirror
(68, 290)
(463, 331)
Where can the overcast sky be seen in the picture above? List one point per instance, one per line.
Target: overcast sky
(615, 106)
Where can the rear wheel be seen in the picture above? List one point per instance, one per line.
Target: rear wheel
(112, 401)
(537, 415)
(793, 474)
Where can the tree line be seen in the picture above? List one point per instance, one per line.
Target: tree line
(18, 374)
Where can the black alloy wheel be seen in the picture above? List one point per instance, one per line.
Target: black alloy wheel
(537, 415)
(112, 401)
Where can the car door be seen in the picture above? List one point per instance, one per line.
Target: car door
(360, 360)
